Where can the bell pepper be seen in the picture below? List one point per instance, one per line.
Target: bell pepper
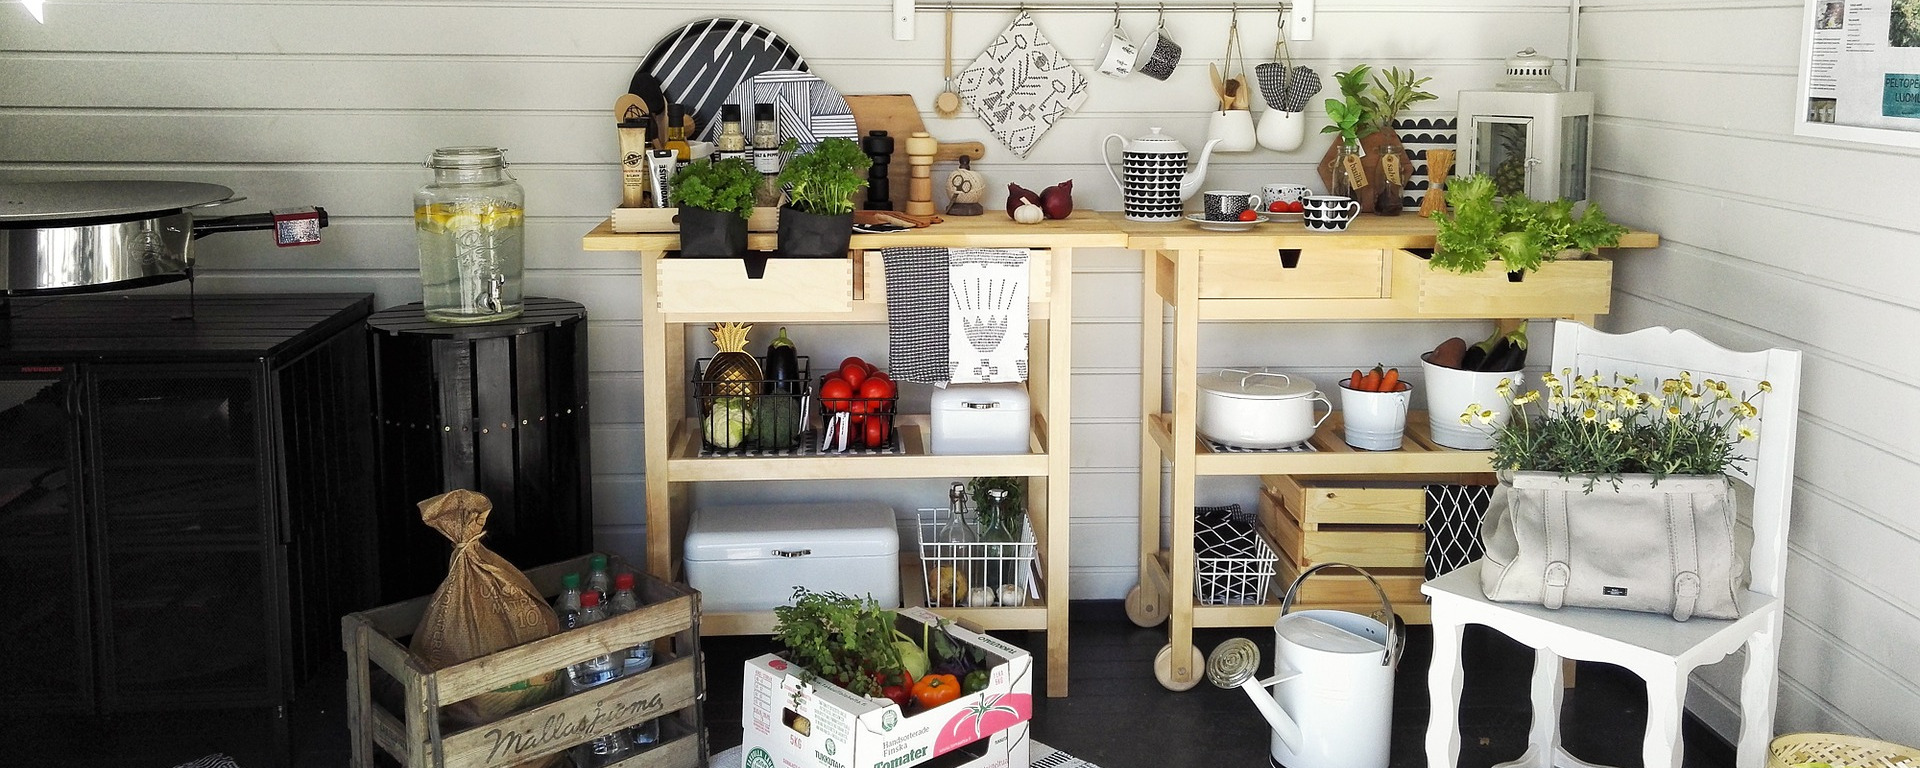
(935, 690)
(897, 687)
(975, 681)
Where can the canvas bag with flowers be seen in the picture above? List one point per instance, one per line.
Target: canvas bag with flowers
(1614, 498)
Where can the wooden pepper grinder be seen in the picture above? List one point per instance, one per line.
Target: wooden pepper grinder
(878, 146)
(1439, 163)
(921, 147)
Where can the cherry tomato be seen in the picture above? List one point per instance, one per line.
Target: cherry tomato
(1277, 206)
(854, 372)
(876, 432)
(1249, 215)
(876, 389)
(834, 394)
(1296, 206)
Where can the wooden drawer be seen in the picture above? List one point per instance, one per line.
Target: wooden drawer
(1370, 530)
(1558, 289)
(721, 286)
(1357, 499)
(1318, 273)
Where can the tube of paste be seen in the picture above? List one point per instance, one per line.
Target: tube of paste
(633, 163)
(660, 170)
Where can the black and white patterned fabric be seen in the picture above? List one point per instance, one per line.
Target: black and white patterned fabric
(1454, 513)
(1021, 85)
(916, 314)
(1224, 532)
(1232, 564)
(987, 315)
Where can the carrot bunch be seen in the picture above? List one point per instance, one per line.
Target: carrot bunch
(1376, 380)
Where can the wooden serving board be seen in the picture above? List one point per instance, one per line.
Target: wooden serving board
(899, 116)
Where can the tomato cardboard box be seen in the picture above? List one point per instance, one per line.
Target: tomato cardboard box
(794, 723)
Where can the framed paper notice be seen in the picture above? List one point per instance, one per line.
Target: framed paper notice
(1860, 71)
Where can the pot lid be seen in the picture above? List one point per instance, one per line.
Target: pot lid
(51, 201)
(1156, 143)
(1256, 385)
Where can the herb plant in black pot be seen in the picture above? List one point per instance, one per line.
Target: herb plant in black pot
(817, 221)
(715, 198)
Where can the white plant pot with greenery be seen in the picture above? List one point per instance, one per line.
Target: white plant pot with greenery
(817, 221)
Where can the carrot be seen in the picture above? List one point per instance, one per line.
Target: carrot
(1353, 382)
(1371, 381)
(1391, 381)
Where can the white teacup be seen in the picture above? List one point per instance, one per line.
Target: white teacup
(1121, 52)
(1285, 193)
(1234, 129)
(1328, 213)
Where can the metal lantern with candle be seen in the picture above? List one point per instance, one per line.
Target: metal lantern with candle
(1530, 134)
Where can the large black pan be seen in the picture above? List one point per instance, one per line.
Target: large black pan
(85, 236)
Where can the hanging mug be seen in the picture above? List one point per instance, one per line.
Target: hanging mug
(1160, 54)
(1233, 128)
(1121, 53)
(1281, 131)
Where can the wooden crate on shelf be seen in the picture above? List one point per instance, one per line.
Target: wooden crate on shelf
(409, 726)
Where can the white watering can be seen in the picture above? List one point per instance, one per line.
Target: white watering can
(1157, 180)
(1331, 704)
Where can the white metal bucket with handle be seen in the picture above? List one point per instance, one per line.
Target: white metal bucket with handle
(1330, 700)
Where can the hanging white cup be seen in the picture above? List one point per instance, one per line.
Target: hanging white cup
(1282, 131)
(1121, 52)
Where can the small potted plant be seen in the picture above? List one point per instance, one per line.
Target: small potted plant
(1363, 117)
(1523, 234)
(715, 198)
(817, 221)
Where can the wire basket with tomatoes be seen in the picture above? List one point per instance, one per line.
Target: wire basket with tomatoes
(741, 416)
(857, 406)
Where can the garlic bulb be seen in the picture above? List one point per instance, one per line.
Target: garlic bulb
(1028, 213)
(980, 597)
(1010, 594)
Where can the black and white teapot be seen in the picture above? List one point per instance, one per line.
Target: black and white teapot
(1157, 180)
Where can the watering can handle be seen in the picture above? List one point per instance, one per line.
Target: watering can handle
(1396, 629)
(1109, 161)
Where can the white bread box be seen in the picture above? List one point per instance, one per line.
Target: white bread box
(749, 558)
(981, 418)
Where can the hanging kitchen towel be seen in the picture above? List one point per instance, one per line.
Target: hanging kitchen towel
(916, 314)
(987, 315)
(1021, 85)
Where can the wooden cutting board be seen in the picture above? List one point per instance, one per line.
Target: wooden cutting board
(899, 116)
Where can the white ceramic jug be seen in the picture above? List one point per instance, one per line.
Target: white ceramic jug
(1157, 180)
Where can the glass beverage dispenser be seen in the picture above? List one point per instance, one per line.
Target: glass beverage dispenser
(1528, 134)
(468, 223)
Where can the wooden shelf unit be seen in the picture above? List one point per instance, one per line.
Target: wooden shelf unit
(681, 292)
(1273, 273)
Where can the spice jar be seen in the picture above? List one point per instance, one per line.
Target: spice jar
(468, 223)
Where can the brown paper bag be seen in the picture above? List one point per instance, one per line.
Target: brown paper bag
(485, 605)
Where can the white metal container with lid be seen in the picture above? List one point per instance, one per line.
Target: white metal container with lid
(981, 418)
(749, 558)
(1258, 409)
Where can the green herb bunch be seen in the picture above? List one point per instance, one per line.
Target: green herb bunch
(1601, 429)
(720, 185)
(843, 639)
(977, 489)
(1521, 232)
(1355, 112)
(822, 181)
(1392, 92)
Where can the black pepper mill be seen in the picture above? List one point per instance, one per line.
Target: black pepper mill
(879, 146)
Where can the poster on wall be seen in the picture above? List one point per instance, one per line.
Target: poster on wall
(1860, 71)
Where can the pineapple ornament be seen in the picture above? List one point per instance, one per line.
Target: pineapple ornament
(732, 371)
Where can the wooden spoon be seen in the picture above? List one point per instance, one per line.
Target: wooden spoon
(947, 104)
(1219, 87)
(1230, 95)
(1241, 92)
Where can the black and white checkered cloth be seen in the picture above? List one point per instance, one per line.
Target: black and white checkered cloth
(916, 314)
(1454, 513)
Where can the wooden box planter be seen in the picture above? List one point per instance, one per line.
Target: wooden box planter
(1558, 289)
(415, 734)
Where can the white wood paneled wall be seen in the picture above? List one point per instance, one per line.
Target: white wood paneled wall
(1774, 240)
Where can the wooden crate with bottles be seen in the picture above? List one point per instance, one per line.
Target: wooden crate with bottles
(397, 705)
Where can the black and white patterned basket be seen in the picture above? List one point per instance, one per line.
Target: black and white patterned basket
(1234, 563)
(1454, 513)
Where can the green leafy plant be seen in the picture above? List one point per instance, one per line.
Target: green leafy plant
(720, 185)
(977, 490)
(822, 181)
(1393, 93)
(847, 640)
(1521, 232)
(1601, 429)
(1353, 114)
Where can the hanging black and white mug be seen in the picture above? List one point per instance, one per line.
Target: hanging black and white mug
(1160, 54)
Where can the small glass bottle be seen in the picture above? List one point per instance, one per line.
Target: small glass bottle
(1342, 184)
(1000, 525)
(676, 134)
(468, 223)
(731, 143)
(766, 155)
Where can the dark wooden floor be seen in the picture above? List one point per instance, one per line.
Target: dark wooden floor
(1116, 717)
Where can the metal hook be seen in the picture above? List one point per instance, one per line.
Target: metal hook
(1161, 21)
(1116, 15)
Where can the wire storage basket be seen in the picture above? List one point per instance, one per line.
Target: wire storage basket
(751, 417)
(1235, 562)
(975, 574)
(1839, 751)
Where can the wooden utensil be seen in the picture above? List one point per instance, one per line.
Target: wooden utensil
(1219, 86)
(1439, 162)
(1241, 91)
(947, 104)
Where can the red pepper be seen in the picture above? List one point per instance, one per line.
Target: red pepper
(935, 690)
(897, 687)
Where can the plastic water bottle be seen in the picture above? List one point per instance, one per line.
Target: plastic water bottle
(567, 605)
(599, 669)
(603, 751)
(597, 579)
(636, 659)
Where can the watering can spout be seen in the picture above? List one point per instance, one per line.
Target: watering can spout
(1234, 664)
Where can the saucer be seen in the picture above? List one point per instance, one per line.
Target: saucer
(1294, 216)
(1225, 226)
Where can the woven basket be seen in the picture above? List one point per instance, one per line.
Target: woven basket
(1839, 751)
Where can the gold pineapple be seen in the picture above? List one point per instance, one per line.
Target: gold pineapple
(732, 371)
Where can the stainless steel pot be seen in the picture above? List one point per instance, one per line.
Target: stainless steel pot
(85, 236)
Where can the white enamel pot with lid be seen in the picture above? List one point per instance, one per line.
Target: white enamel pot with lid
(1258, 409)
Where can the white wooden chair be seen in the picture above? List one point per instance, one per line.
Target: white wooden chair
(1660, 650)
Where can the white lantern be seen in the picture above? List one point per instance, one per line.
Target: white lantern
(1528, 134)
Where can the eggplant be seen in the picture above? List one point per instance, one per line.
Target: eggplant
(1511, 357)
(782, 367)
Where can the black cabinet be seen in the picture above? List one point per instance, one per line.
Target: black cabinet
(186, 505)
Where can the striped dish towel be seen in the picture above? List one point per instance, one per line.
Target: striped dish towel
(916, 314)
